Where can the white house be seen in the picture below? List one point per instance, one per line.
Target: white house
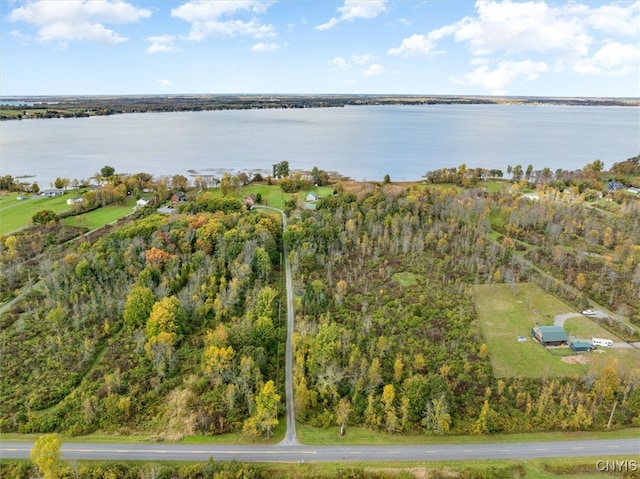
(312, 196)
(76, 200)
(142, 202)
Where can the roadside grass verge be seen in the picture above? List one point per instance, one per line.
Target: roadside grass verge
(573, 468)
(362, 436)
(331, 436)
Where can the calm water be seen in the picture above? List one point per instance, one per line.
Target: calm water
(360, 142)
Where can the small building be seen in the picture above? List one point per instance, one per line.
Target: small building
(580, 346)
(311, 197)
(550, 335)
(142, 202)
(76, 200)
(52, 192)
(178, 197)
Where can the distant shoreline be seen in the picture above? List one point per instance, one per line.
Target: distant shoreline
(31, 107)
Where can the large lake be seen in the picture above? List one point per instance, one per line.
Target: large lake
(364, 143)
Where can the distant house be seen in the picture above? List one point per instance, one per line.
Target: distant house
(76, 200)
(634, 190)
(550, 335)
(142, 202)
(531, 196)
(312, 196)
(614, 185)
(52, 192)
(178, 197)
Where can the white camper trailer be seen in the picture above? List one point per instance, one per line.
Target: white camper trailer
(601, 342)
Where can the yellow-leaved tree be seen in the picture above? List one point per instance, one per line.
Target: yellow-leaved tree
(46, 454)
(265, 415)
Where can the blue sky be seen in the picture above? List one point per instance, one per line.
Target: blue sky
(116, 47)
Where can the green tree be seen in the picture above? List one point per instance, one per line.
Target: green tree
(343, 411)
(107, 172)
(180, 182)
(138, 306)
(225, 184)
(167, 316)
(265, 416)
(281, 170)
(46, 455)
(44, 217)
(386, 180)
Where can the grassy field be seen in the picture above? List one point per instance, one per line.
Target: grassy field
(15, 214)
(102, 216)
(508, 311)
(362, 436)
(272, 195)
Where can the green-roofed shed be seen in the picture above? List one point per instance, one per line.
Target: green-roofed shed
(550, 335)
(580, 346)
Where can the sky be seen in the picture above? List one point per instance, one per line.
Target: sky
(576, 48)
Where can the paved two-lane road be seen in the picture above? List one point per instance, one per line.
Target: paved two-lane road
(601, 449)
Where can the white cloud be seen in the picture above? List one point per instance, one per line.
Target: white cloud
(362, 59)
(265, 47)
(619, 19)
(344, 64)
(354, 9)
(341, 63)
(373, 70)
(208, 18)
(413, 45)
(526, 26)
(508, 39)
(613, 59)
(497, 80)
(164, 84)
(65, 21)
(162, 44)
(424, 45)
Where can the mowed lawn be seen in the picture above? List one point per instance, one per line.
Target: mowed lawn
(272, 195)
(585, 328)
(102, 216)
(505, 313)
(16, 214)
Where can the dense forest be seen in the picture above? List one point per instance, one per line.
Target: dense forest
(167, 324)
(387, 335)
(173, 325)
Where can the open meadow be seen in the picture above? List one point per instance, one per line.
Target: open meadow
(16, 214)
(507, 311)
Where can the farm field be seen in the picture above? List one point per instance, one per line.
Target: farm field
(16, 214)
(504, 316)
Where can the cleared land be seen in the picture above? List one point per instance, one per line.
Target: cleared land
(508, 311)
(102, 216)
(16, 214)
